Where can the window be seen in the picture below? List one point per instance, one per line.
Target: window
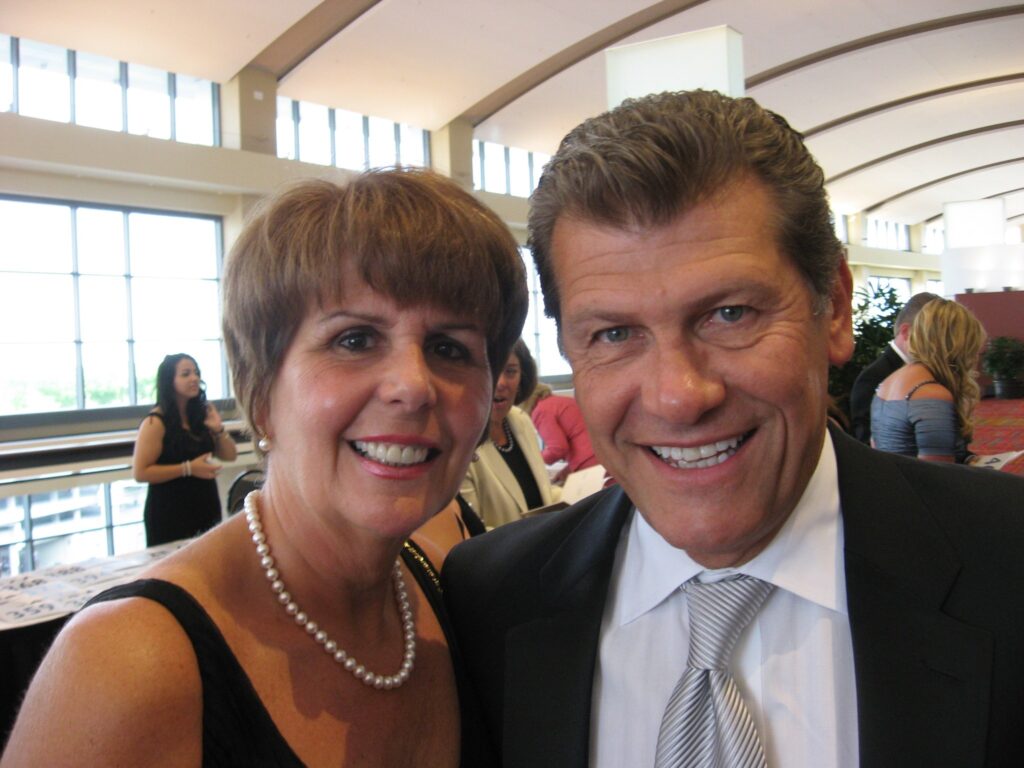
(314, 134)
(54, 83)
(91, 299)
(317, 134)
(286, 122)
(883, 233)
(349, 140)
(44, 88)
(934, 238)
(43, 529)
(540, 332)
(901, 286)
(383, 150)
(6, 75)
(495, 165)
(149, 102)
(839, 225)
(412, 145)
(98, 90)
(195, 110)
(506, 170)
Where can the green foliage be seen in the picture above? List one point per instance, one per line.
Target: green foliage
(1003, 358)
(106, 394)
(874, 313)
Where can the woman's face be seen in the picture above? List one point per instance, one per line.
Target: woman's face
(375, 412)
(506, 389)
(186, 378)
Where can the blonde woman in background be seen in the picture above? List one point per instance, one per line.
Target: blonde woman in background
(926, 408)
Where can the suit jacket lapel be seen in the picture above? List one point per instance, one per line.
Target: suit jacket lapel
(503, 474)
(556, 652)
(922, 677)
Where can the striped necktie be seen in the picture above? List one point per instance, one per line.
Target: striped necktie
(706, 724)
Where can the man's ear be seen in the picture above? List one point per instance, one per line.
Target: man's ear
(903, 334)
(840, 327)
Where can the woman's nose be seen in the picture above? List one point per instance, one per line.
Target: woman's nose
(408, 380)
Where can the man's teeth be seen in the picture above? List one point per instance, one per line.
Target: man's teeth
(697, 457)
(390, 453)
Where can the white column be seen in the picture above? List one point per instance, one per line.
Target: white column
(977, 256)
(707, 58)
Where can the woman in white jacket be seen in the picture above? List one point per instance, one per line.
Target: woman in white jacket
(509, 477)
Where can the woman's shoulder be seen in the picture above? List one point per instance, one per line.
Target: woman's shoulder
(912, 381)
(132, 670)
(155, 418)
(521, 420)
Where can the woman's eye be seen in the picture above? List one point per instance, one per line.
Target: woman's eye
(613, 335)
(450, 350)
(355, 341)
(730, 314)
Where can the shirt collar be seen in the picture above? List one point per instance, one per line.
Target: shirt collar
(804, 558)
(903, 355)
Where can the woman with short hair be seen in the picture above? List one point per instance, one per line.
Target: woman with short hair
(362, 325)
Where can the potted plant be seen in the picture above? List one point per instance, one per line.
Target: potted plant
(1003, 360)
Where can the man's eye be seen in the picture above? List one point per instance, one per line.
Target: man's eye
(730, 314)
(613, 335)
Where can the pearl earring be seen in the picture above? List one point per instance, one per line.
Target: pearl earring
(264, 444)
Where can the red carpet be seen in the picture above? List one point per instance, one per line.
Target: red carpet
(998, 428)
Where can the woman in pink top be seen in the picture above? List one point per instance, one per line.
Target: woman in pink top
(560, 424)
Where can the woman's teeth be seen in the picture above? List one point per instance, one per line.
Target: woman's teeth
(391, 453)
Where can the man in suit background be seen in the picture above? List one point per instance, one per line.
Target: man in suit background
(685, 248)
(894, 356)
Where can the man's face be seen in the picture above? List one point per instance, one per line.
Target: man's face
(701, 368)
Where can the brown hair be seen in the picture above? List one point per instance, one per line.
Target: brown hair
(947, 338)
(647, 161)
(527, 371)
(411, 234)
(909, 311)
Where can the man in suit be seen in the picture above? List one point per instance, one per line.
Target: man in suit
(894, 356)
(685, 249)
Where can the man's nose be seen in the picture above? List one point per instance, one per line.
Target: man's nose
(681, 386)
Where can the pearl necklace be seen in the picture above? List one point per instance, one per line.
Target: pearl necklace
(313, 630)
(508, 436)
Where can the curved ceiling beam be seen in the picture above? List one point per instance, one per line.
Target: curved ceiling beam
(923, 96)
(304, 37)
(575, 53)
(925, 145)
(881, 37)
(933, 182)
(938, 216)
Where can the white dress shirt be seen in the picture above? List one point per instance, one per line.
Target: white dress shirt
(793, 664)
(903, 355)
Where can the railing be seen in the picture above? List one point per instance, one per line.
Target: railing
(63, 500)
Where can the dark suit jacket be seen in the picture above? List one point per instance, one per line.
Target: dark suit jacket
(935, 589)
(863, 390)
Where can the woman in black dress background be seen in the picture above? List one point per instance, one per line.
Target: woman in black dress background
(173, 454)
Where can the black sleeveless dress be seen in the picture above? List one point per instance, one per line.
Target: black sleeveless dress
(187, 506)
(237, 729)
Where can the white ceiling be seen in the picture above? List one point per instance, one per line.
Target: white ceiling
(906, 104)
